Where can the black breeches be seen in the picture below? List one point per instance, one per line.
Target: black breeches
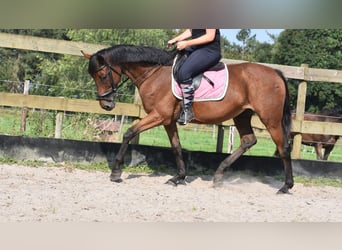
(197, 62)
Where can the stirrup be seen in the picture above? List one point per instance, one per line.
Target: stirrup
(186, 116)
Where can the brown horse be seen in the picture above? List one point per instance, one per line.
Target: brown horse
(318, 141)
(252, 88)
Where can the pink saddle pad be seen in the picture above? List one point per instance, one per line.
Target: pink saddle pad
(206, 91)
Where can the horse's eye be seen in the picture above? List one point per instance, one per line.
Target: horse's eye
(103, 77)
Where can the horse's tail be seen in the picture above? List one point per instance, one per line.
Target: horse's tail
(286, 120)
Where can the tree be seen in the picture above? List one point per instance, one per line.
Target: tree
(229, 50)
(319, 48)
(65, 75)
(250, 50)
(248, 43)
(16, 66)
(68, 76)
(263, 52)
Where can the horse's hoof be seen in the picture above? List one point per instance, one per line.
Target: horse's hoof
(116, 179)
(172, 183)
(218, 181)
(283, 190)
(181, 182)
(217, 184)
(176, 182)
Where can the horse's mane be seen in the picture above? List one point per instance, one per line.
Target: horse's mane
(334, 115)
(337, 111)
(119, 54)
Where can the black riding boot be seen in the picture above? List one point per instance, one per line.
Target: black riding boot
(186, 114)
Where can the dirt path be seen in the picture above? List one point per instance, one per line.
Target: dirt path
(51, 194)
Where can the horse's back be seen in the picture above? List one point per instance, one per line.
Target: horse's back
(262, 85)
(254, 75)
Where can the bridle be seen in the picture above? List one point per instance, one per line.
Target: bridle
(114, 89)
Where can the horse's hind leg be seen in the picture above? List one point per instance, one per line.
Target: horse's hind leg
(284, 150)
(247, 140)
(327, 151)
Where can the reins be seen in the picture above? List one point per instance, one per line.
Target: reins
(138, 81)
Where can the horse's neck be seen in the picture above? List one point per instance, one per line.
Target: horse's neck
(139, 74)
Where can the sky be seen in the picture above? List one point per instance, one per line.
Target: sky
(261, 34)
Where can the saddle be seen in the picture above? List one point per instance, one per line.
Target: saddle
(196, 81)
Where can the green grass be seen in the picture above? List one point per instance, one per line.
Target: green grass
(206, 141)
(318, 181)
(9, 122)
(41, 124)
(192, 137)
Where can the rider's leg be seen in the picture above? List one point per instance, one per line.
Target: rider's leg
(197, 62)
(186, 114)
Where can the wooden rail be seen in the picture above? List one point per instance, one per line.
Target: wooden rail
(303, 72)
(74, 48)
(67, 104)
(46, 44)
(135, 110)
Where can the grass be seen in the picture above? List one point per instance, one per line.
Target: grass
(205, 140)
(192, 137)
(318, 181)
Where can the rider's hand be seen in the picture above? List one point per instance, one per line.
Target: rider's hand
(170, 43)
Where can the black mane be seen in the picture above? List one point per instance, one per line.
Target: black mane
(119, 54)
(337, 111)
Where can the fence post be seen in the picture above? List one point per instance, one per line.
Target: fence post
(59, 124)
(220, 138)
(231, 139)
(121, 126)
(300, 109)
(137, 100)
(24, 109)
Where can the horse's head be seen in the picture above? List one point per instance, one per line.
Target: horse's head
(106, 77)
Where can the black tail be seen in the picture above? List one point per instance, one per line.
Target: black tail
(286, 121)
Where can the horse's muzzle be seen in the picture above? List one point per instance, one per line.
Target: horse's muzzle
(107, 105)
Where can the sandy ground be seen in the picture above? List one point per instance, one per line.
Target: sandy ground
(58, 194)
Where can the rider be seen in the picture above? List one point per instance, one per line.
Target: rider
(204, 51)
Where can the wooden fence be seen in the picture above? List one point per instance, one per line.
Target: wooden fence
(61, 104)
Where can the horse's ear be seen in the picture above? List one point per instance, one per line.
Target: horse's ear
(100, 60)
(85, 54)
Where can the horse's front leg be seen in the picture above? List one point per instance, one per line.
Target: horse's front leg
(172, 133)
(115, 175)
(149, 121)
(327, 151)
(318, 150)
